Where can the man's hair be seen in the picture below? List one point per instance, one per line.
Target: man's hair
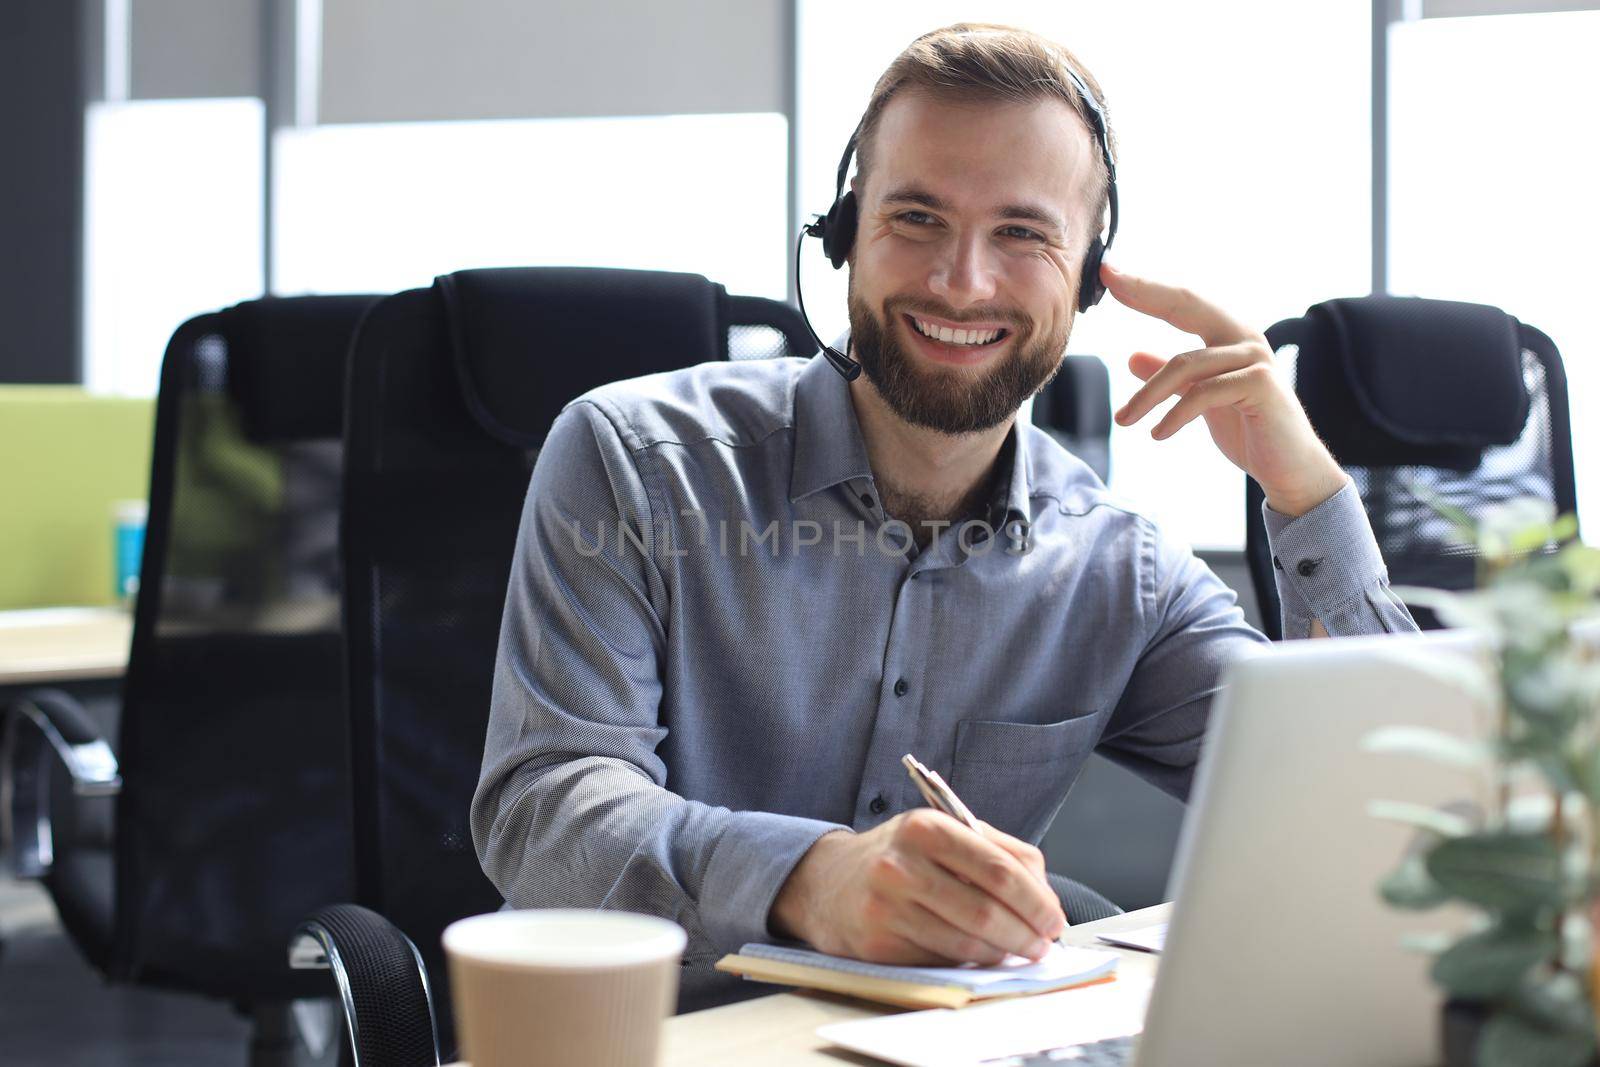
(983, 61)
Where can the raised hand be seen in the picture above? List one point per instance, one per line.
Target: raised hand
(1253, 415)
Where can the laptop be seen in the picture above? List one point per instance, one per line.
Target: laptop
(1279, 949)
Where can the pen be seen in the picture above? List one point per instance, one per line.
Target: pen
(941, 797)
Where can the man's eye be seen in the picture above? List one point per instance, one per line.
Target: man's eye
(1022, 232)
(916, 218)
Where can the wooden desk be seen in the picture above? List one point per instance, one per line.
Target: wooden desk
(49, 646)
(780, 1030)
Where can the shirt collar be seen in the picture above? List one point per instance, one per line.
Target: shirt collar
(1010, 501)
(829, 449)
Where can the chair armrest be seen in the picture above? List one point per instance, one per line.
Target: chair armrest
(34, 727)
(1080, 903)
(383, 984)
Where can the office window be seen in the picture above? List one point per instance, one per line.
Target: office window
(1494, 156)
(172, 227)
(389, 206)
(1244, 174)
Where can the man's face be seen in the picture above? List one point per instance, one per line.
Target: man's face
(973, 217)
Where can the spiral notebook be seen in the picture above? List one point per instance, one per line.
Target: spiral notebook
(921, 987)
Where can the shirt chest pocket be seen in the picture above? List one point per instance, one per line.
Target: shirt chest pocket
(1015, 775)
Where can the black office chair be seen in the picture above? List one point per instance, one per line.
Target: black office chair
(452, 390)
(1420, 399)
(1075, 409)
(185, 855)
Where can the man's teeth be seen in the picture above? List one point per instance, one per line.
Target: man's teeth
(955, 337)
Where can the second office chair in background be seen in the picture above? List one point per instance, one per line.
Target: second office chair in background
(1421, 399)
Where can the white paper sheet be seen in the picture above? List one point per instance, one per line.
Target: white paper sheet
(1148, 938)
(963, 1037)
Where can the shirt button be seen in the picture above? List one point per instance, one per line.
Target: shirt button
(866, 498)
(901, 687)
(878, 805)
(1307, 567)
(1278, 563)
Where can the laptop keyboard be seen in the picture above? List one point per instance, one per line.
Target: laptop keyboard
(1112, 1052)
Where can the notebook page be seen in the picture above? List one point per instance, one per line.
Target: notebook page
(1015, 974)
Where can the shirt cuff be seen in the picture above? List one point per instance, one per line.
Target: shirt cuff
(751, 861)
(1327, 566)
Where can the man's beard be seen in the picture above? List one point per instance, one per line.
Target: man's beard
(950, 400)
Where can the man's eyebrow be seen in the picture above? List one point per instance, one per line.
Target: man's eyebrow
(910, 194)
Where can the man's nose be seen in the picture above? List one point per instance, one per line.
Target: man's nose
(965, 272)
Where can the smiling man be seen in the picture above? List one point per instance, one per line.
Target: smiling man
(708, 726)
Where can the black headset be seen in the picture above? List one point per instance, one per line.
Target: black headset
(838, 228)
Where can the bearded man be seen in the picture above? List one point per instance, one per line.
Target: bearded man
(708, 726)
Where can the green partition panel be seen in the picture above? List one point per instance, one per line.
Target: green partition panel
(66, 458)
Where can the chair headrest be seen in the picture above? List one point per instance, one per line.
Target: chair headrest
(1392, 381)
(286, 363)
(527, 340)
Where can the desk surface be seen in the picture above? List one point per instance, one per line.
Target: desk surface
(780, 1030)
(54, 645)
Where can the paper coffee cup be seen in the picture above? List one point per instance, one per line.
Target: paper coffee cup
(559, 987)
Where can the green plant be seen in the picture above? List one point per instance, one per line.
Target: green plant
(1530, 864)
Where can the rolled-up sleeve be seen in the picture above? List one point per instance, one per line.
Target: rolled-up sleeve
(573, 806)
(1328, 567)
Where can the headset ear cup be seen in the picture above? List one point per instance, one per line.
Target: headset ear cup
(840, 234)
(1090, 288)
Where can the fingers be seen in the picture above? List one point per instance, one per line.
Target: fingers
(1026, 854)
(983, 928)
(1180, 373)
(977, 860)
(1183, 308)
(915, 908)
(917, 936)
(1224, 390)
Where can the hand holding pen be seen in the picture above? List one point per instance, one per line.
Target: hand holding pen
(919, 888)
(942, 798)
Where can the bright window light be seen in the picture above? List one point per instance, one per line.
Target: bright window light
(389, 206)
(172, 227)
(1244, 174)
(1493, 156)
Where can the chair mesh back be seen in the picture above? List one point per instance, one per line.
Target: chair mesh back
(1417, 543)
(433, 502)
(234, 818)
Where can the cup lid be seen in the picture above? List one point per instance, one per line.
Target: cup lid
(565, 937)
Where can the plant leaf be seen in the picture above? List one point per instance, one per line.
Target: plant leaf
(1558, 1002)
(1502, 871)
(1466, 610)
(1437, 820)
(1510, 1040)
(1410, 887)
(1435, 745)
(1486, 965)
(1425, 943)
(1466, 528)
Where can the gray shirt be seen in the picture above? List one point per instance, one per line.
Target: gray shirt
(717, 646)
